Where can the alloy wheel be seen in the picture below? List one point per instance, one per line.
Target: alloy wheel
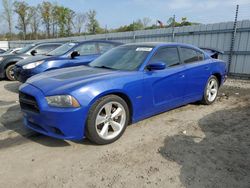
(110, 120)
(212, 90)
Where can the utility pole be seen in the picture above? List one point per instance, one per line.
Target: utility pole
(233, 38)
(106, 32)
(134, 31)
(173, 25)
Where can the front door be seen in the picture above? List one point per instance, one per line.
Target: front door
(166, 88)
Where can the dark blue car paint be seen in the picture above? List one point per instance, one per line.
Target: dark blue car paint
(147, 92)
(56, 62)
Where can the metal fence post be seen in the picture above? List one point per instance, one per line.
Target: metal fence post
(173, 25)
(233, 39)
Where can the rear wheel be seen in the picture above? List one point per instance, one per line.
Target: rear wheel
(211, 91)
(10, 72)
(107, 120)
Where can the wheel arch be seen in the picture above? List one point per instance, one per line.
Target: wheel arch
(119, 93)
(9, 63)
(219, 77)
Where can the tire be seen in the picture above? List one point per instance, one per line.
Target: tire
(9, 72)
(210, 91)
(101, 127)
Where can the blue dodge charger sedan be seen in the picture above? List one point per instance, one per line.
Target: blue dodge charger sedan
(127, 84)
(69, 55)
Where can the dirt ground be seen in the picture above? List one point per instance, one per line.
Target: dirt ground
(192, 146)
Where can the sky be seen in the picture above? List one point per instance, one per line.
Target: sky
(115, 13)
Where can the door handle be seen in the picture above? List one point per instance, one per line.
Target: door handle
(206, 68)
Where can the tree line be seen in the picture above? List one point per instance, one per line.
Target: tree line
(51, 20)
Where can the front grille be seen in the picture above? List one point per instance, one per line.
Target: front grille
(28, 102)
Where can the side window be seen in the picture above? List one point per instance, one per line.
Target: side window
(167, 55)
(200, 56)
(104, 47)
(43, 49)
(190, 55)
(87, 49)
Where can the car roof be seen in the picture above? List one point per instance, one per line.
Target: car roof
(102, 41)
(159, 44)
(50, 42)
(163, 44)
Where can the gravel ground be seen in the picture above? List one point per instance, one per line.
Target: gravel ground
(192, 146)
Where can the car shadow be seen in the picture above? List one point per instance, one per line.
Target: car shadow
(12, 86)
(12, 120)
(221, 158)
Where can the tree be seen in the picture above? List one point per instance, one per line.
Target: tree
(64, 20)
(146, 21)
(171, 21)
(34, 21)
(138, 25)
(69, 15)
(8, 14)
(46, 14)
(92, 24)
(23, 11)
(79, 22)
(185, 22)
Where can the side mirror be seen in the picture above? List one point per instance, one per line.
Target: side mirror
(33, 52)
(156, 66)
(74, 54)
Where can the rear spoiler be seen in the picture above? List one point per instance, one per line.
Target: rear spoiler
(212, 52)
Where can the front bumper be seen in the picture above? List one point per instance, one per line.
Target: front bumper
(2, 71)
(62, 123)
(21, 74)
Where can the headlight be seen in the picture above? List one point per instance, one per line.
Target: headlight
(1, 58)
(32, 65)
(63, 101)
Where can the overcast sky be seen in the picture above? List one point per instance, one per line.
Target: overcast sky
(115, 13)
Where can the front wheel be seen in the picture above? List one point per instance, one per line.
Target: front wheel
(10, 72)
(211, 90)
(107, 120)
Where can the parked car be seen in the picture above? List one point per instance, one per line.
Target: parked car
(2, 51)
(69, 55)
(127, 84)
(12, 51)
(8, 61)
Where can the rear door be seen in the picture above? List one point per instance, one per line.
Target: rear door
(166, 88)
(197, 70)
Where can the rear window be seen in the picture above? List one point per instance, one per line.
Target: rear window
(190, 55)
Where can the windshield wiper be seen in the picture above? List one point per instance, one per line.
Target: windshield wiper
(104, 67)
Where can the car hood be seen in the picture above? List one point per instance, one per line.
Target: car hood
(34, 59)
(8, 56)
(69, 78)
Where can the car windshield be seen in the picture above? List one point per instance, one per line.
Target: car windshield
(7, 51)
(62, 49)
(123, 58)
(26, 49)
